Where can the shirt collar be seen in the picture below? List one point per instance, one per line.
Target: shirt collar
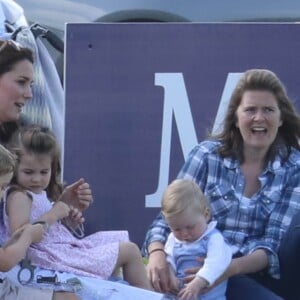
(272, 166)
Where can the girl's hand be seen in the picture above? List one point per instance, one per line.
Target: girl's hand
(75, 216)
(60, 210)
(78, 194)
(33, 232)
(36, 231)
(73, 222)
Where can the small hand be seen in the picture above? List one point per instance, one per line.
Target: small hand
(36, 231)
(75, 216)
(191, 272)
(78, 194)
(193, 289)
(60, 210)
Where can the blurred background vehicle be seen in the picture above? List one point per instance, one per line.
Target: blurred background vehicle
(54, 14)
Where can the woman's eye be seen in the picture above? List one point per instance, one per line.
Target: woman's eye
(268, 109)
(21, 82)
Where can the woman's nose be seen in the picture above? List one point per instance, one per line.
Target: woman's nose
(28, 93)
(259, 115)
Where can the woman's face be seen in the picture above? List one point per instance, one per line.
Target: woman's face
(15, 90)
(258, 119)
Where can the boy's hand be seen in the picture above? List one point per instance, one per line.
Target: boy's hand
(193, 289)
(191, 272)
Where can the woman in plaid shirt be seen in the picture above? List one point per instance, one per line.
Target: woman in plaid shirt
(250, 172)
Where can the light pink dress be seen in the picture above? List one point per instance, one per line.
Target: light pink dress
(94, 255)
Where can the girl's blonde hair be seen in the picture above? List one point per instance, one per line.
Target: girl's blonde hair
(7, 161)
(182, 194)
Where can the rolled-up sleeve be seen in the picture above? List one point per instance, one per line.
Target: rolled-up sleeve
(278, 223)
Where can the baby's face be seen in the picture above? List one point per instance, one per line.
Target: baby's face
(4, 182)
(188, 226)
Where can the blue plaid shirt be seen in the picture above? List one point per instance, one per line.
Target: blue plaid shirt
(259, 225)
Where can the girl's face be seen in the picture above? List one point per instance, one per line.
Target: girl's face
(4, 182)
(258, 119)
(15, 90)
(189, 225)
(34, 172)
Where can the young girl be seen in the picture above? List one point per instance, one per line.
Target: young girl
(35, 182)
(15, 248)
(193, 236)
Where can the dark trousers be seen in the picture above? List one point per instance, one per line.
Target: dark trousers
(261, 286)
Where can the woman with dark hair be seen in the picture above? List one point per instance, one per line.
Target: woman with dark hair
(16, 79)
(250, 173)
(15, 92)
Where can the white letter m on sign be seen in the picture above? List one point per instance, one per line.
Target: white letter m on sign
(176, 103)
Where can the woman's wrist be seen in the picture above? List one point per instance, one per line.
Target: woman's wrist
(156, 250)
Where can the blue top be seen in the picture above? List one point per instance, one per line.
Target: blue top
(259, 225)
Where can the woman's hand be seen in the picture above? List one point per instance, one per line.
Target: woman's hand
(174, 282)
(78, 195)
(158, 272)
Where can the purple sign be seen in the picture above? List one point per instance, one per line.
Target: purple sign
(140, 96)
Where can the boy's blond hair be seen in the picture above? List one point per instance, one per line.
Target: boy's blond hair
(182, 194)
(7, 161)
